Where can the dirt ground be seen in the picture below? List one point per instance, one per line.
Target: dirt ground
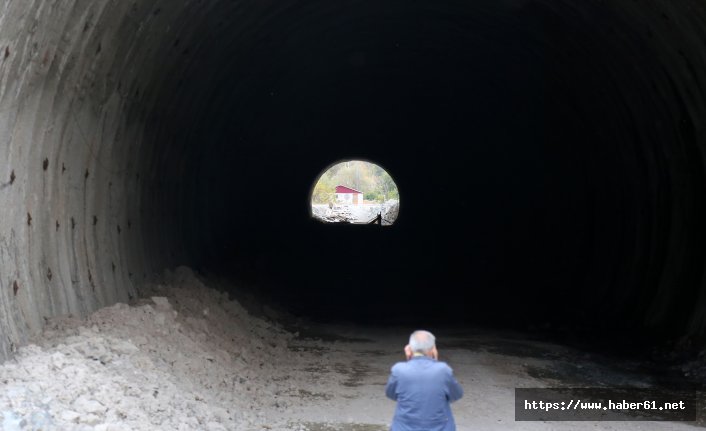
(185, 357)
(488, 365)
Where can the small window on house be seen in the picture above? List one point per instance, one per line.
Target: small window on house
(356, 192)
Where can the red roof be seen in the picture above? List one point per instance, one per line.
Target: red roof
(344, 189)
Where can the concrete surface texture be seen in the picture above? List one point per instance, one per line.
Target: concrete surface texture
(102, 107)
(78, 88)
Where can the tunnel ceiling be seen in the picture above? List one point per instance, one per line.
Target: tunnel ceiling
(550, 153)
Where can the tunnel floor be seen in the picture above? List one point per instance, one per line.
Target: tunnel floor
(185, 356)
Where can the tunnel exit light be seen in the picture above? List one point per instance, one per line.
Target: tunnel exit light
(355, 192)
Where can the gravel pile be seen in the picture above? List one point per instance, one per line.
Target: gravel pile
(184, 357)
(357, 213)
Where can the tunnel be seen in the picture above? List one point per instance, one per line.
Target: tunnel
(549, 156)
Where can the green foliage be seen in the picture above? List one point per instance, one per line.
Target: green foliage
(373, 196)
(375, 183)
(388, 187)
(324, 191)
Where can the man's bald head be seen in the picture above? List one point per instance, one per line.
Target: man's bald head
(422, 342)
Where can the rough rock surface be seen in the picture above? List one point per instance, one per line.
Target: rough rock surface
(357, 213)
(185, 357)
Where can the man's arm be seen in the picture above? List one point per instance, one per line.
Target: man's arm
(454, 391)
(391, 387)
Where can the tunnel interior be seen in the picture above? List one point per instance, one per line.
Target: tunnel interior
(549, 152)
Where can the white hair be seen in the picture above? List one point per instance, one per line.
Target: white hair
(422, 341)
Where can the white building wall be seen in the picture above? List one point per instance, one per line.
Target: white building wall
(347, 198)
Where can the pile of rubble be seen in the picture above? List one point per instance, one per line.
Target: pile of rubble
(360, 214)
(184, 357)
(390, 211)
(333, 213)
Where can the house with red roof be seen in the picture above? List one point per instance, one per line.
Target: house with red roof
(348, 196)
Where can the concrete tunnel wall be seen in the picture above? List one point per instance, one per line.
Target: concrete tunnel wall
(79, 84)
(98, 98)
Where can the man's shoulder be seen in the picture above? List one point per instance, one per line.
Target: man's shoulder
(444, 366)
(402, 367)
(399, 366)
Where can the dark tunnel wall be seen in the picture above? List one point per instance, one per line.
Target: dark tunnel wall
(548, 155)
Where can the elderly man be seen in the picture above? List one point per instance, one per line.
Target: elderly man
(423, 387)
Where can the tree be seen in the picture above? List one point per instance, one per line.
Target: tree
(371, 179)
(388, 187)
(324, 190)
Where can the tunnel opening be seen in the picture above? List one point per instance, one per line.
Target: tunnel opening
(563, 142)
(374, 200)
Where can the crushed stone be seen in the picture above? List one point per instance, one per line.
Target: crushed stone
(184, 357)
